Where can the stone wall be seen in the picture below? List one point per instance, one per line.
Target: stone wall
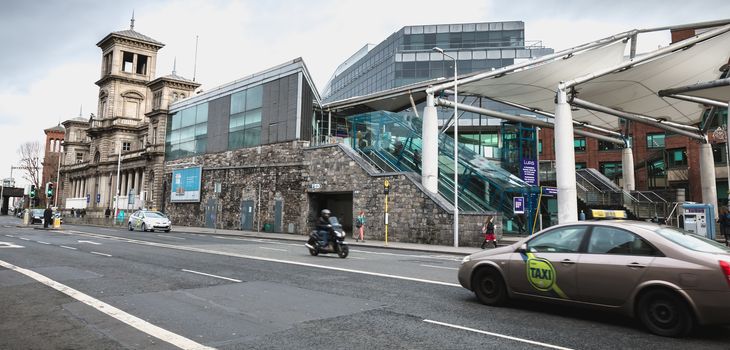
(292, 171)
(413, 215)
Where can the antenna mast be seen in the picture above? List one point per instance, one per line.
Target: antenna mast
(195, 61)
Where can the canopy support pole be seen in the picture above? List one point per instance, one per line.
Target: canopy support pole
(639, 119)
(565, 160)
(627, 164)
(430, 130)
(707, 177)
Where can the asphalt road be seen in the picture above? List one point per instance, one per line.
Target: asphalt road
(100, 288)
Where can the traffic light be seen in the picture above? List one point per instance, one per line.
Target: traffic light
(49, 189)
(32, 191)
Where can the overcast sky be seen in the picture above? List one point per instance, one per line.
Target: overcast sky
(50, 60)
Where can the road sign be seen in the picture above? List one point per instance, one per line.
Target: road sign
(518, 205)
(98, 197)
(88, 198)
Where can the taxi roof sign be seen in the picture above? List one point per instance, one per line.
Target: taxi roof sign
(608, 214)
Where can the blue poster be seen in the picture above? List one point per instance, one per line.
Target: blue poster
(518, 205)
(186, 185)
(529, 171)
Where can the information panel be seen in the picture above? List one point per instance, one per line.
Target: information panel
(186, 185)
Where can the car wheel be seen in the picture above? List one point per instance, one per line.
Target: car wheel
(131, 228)
(167, 230)
(664, 313)
(144, 227)
(489, 287)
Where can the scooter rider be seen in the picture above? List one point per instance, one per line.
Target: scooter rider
(324, 226)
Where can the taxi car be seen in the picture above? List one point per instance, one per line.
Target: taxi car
(671, 280)
(149, 220)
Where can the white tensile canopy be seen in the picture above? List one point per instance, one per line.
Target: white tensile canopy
(607, 86)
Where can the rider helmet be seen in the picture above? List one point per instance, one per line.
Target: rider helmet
(326, 213)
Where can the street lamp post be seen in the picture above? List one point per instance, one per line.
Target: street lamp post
(456, 147)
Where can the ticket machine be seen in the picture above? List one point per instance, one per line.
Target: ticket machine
(699, 218)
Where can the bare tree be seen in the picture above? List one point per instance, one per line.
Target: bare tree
(30, 162)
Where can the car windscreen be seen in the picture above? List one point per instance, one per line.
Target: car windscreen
(692, 241)
(152, 214)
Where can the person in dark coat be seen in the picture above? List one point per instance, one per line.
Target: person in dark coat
(47, 215)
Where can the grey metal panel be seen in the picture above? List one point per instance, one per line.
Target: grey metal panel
(219, 111)
(278, 121)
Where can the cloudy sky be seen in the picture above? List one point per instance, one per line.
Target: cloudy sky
(50, 61)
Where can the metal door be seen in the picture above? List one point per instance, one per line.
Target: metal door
(247, 215)
(278, 213)
(211, 211)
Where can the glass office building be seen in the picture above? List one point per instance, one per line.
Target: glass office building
(407, 56)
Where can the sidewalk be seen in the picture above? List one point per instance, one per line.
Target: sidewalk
(429, 248)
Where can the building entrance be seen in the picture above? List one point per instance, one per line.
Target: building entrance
(339, 203)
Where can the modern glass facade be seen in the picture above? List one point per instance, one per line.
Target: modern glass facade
(244, 129)
(407, 57)
(187, 132)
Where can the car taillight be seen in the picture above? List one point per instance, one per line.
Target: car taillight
(725, 267)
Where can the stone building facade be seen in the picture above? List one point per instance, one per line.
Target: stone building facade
(53, 150)
(129, 124)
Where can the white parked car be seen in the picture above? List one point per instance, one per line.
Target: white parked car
(149, 220)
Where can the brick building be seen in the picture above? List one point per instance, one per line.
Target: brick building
(53, 150)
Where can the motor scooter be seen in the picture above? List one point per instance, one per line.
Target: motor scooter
(335, 244)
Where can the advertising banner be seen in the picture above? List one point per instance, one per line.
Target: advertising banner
(529, 171)
(518, 205)
(186, 185)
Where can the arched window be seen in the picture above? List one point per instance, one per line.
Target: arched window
(97, 157)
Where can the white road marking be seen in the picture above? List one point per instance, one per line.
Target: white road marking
(107, 229)
(41, 242)
(9, 245)
(11, 236)
(25, 239)
(102, 254)
(436, 257)
(173, 237)
(216, 276)
(439, 267)
(90, 242)
(497, 335)
(356, 257)
(252, 257)
(277, 249)
(138, 323)
(63, 246)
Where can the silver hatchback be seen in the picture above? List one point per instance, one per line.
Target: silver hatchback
(668, 278)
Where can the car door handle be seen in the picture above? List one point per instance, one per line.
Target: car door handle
(636, 265)
(567, 261)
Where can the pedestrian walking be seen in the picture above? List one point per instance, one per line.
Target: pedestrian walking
(488, 231)
(360, 224)
(47, 216)
(724, 219)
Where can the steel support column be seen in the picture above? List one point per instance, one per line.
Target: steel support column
(707, 176)
(429, 168)
(565, 160)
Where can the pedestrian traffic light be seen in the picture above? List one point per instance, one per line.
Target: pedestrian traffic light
(32, 191)
(49, 189)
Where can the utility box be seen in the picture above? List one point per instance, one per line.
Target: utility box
(699, 219)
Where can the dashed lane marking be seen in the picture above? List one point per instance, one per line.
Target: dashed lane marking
(72, 248)
(102, 254)
(138, 323)
(439, 267)
(277, 249)
(497, 335)
(41, 242)
(173, 237)
(215, 276)
(9, 245)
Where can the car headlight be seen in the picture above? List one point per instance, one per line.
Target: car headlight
(466, 259)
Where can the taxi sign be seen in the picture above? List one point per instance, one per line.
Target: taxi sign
(608, 214)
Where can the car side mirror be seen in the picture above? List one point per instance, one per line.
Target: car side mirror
(522, 248)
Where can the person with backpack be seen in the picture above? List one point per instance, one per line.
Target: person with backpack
(488, 231)
(360, 225)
